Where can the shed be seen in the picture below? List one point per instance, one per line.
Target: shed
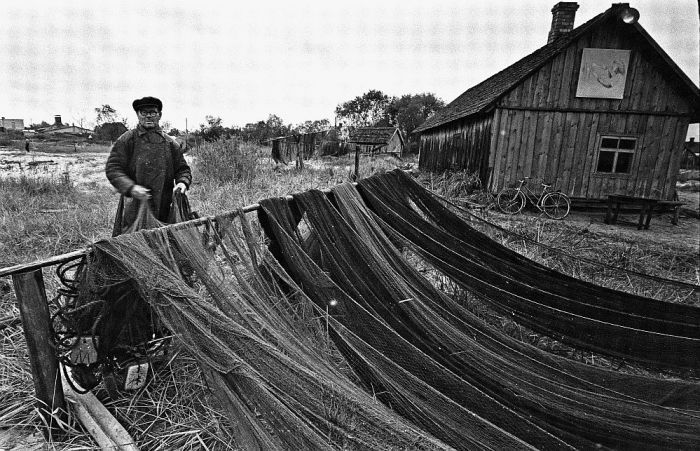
(377, 140)
(600, 109)
(691, 155)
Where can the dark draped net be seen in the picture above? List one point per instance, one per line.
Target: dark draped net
(333, 339)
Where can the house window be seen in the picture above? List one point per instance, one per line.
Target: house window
(615, 154)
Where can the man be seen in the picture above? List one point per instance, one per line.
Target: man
(146, 164)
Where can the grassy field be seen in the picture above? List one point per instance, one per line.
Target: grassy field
(44, 214)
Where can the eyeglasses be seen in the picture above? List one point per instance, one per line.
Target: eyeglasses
(149, 113)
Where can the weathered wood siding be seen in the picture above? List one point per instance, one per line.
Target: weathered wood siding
(542, 130)
(462, 144)
(561, 148)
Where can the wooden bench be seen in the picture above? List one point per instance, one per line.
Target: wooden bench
(647, 208)
(676, 205)
(646, 205)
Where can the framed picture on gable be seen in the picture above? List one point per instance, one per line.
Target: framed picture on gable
(603, 73)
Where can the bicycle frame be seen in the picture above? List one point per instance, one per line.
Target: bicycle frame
(534, 199)
(554, 204)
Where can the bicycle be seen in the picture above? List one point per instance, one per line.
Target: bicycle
(554, 204)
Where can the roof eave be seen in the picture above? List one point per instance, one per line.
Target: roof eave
(486, 109)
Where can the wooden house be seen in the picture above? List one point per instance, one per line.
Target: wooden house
(691, 155)
(376, 140)
(59, 128)
(600, 109)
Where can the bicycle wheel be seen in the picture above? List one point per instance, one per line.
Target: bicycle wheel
(510, 201)
(556, 205)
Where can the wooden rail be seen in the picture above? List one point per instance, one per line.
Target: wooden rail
(74, 255)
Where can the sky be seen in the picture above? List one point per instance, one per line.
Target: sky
(243, 61)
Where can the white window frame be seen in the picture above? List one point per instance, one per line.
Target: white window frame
(617, 152)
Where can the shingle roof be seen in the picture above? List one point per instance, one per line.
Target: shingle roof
(482, 96)
(371, 135)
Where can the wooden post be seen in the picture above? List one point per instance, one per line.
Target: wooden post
(357, 162)
(36, 322)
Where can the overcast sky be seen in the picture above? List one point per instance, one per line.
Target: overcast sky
(297, 59)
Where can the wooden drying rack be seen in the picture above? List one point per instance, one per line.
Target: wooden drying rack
(28, 282)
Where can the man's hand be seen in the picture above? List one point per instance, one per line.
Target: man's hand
(180, 187)
(138, 192)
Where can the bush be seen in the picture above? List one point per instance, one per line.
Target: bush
(226, 161)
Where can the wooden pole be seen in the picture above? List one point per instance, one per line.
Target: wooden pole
(36, 322)
(357, 162)
(98, 421)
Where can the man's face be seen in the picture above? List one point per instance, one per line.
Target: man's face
(149, 117)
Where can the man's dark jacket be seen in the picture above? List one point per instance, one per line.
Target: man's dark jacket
(149, 158)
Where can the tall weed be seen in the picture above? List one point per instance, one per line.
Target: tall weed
(227, 161)
(35, 186)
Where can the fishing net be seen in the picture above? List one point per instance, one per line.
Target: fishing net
(494, 371)
(101, 323)
(321, 333)
(576, 312)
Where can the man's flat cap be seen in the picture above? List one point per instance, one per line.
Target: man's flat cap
(140, 104)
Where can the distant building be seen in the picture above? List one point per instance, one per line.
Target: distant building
(376, 139)
(58, 128)
(11, 124)
(600, 109)
(691, 155)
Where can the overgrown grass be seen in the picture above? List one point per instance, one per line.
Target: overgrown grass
(229, 175)
(44, 216)
(226, 161)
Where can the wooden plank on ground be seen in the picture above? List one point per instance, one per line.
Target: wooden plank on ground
(107, 432)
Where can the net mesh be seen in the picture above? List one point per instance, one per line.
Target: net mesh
(322, 334)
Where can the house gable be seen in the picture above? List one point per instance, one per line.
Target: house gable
(651, 84)
(483, 97)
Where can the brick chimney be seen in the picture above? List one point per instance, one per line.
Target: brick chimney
(57, 120)
(563, 15)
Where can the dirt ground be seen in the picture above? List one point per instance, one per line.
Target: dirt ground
(85, 167)
(660, 230)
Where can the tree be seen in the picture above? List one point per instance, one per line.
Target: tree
(212, 130)
(110, 131)
(106, 114)
(43, 124)
(409, 111)
(274, 126)
(263, 130)
(369, 109)
(174, 132)
(254, 131)
(312, 126)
